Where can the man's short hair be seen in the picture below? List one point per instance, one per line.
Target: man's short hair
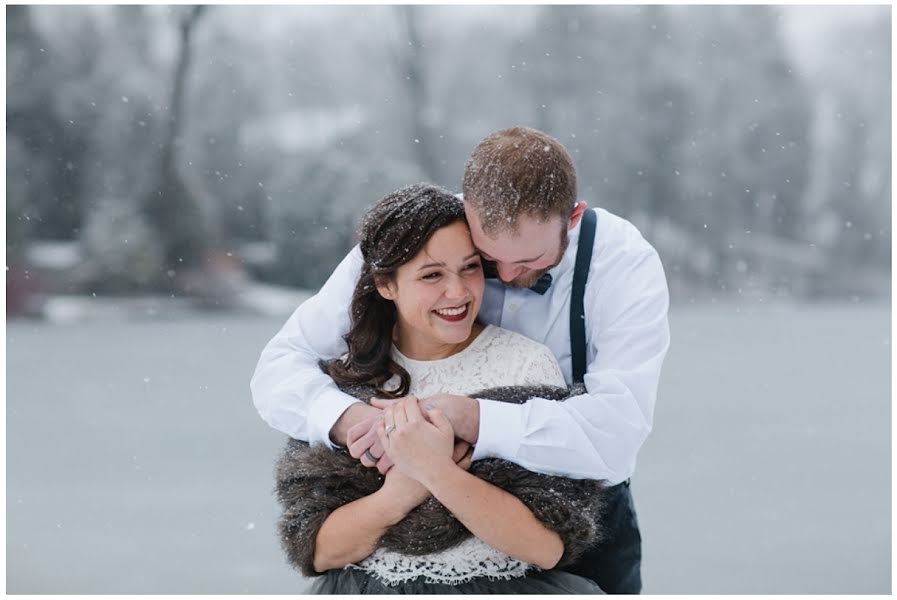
(519, 171)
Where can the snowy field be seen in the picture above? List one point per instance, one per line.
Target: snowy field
(136, 462)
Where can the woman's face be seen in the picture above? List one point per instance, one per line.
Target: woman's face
(437, 295)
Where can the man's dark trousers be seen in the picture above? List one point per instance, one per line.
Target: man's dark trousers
(615, 564)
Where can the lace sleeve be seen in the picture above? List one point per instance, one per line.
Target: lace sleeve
(311, 484)
(540, 368)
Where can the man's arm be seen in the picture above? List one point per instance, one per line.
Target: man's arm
(289, 390)
(595, 435)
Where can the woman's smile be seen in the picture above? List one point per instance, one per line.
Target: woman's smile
(453, 315)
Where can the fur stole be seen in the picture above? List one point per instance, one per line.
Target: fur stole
(312, 482)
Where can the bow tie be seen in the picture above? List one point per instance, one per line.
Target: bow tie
(542, 284)
(540, 287)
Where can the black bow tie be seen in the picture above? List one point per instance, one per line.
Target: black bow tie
(542, 284)
(540, 287)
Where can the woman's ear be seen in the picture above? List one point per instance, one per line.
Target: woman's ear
(386, 288)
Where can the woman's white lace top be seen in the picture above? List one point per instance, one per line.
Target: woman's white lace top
(497, 357)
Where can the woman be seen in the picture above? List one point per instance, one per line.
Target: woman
(414, 332)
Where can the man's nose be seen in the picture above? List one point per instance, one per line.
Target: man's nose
(506, 272)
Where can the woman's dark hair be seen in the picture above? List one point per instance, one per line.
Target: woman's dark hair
(392, 232)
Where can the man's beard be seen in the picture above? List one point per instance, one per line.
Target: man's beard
(528, 280)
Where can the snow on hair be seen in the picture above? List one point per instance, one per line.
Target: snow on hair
(519, 171)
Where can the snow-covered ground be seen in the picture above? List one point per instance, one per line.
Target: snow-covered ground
(136, 462)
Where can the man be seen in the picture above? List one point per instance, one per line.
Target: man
(520, 197)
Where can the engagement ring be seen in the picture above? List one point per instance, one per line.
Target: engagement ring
(389, 428)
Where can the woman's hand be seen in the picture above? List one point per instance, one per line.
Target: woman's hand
(419, 447)
(461, 411)
(403, 490)
(409, 493)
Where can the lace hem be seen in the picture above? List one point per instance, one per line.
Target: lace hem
(469, 559)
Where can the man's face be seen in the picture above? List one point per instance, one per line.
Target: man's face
(521, 256)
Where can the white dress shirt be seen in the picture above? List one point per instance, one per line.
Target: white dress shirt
(595, 435)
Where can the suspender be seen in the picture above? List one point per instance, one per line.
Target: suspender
(577, 307)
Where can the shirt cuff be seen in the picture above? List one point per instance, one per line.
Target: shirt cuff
(325, 412)
(501, 430)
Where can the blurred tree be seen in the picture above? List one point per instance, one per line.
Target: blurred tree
(223, 102)
(661, 102)
(121, 95)
(605, 81)
(853, 174)
(18, 219)
(314, 208)
(20, 286)
(744, 162)
(690, 121)
(414, 71)
(55, 142)
(559, 69)
(178, 206)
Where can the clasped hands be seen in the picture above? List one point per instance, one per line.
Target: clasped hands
(421, 433)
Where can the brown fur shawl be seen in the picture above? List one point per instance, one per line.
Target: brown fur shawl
(312, 482)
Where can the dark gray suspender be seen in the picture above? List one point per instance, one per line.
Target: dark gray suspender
(577, 307)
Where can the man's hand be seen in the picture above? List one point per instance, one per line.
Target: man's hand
(462, 412)
(354, 416)
(462, 454)
(363, 444)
